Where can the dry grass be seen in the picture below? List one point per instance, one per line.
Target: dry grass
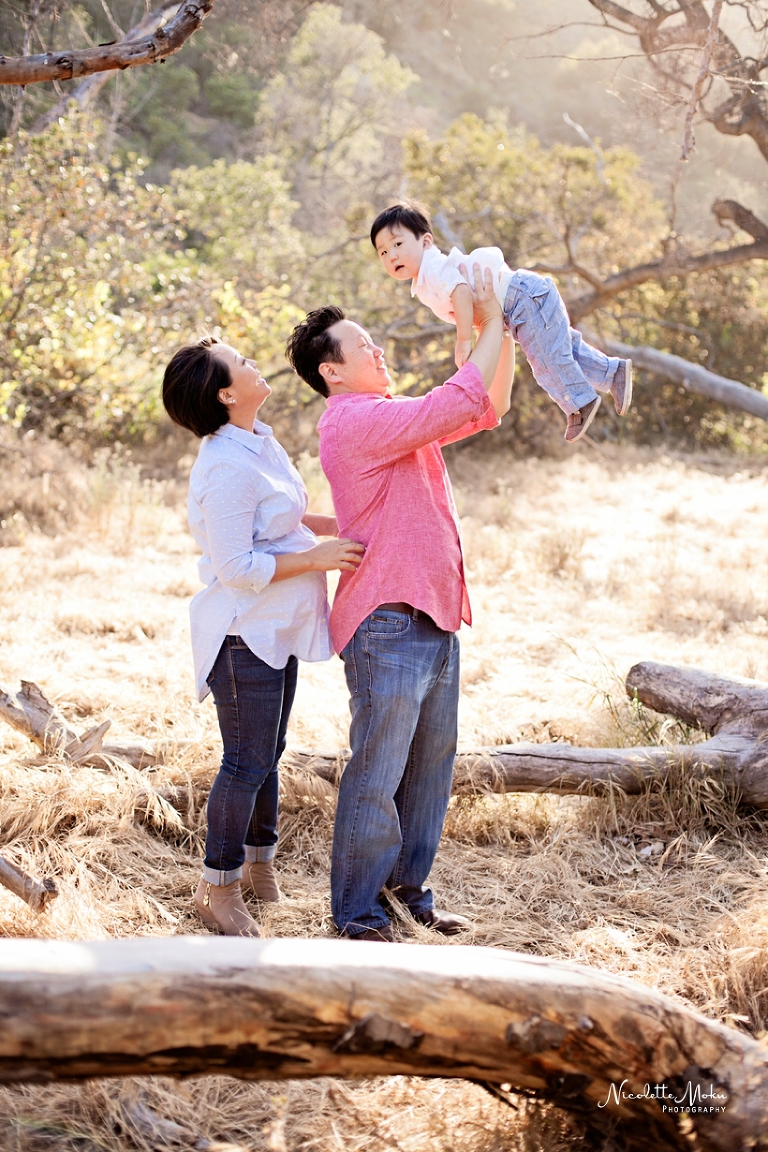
(578, 568)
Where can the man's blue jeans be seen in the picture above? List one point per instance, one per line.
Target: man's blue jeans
(253, 703)
(567, 368)
(403, 677)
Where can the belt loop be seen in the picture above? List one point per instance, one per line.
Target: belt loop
(415, 613)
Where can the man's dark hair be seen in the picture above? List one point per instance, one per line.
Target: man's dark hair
(311, 344)
(408, 214)
(191, 387)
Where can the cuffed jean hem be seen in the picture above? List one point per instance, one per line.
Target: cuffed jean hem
(353, 930)
(215, 876)
(260, 855)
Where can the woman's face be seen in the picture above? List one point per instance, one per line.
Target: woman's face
(248, 390)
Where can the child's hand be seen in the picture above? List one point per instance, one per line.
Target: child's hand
(462, 352)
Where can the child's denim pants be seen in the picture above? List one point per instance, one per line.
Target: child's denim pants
(567, 368)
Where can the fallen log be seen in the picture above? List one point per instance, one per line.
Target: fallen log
(622, 1055)
(37, 893)
(733, 711)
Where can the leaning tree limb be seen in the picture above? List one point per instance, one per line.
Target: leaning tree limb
(87, 92)
(285, 1009)
(675, 263)
(37, 893)
(693, 377)
(125, 53)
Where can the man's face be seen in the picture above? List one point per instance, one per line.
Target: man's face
(401, 252)
(363, 370)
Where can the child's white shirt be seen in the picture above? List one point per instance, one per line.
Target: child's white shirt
(439, 275)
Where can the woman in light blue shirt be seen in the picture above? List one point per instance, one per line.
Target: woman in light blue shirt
(264, 607)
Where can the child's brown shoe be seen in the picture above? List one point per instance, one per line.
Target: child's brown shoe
(578, 422)
(621, 388)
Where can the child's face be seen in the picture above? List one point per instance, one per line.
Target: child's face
(401, 252)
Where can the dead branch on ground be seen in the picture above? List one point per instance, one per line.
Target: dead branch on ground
(37, 893)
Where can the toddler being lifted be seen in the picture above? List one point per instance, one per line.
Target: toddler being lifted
(569, 370)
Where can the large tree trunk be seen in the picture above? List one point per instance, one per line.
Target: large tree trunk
(275, 1009)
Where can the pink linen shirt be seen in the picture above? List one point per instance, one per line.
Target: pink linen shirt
(391, 492)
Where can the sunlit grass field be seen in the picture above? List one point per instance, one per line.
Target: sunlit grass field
(579, 566)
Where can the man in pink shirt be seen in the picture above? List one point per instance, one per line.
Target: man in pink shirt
(394, 620)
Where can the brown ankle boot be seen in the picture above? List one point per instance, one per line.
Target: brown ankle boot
(222, 909)
(259, 876)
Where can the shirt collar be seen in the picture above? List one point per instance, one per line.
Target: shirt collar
(430, 256)
(332, 400)
(252, 440)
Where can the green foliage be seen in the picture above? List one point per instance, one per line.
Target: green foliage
(231, 97)
(103, 272)
(97, 289)
(329, 111)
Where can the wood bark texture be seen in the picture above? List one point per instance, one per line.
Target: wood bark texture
(284, 1009)
(37, 893)
(31, 713)
(734, 713)
(125, 53)
(86, 92)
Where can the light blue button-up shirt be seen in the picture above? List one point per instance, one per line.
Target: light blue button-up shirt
(246, 501)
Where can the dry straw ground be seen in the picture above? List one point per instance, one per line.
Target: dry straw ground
(578, 567)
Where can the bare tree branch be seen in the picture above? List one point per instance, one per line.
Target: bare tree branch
(86, 92)
(745, 112)
(108, 57)
(675, 262)
(689, 138)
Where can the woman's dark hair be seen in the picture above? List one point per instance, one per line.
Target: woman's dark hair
(191, 387)
(311, 344)
(408, 214)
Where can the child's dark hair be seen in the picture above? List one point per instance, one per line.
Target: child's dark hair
(408, 214)
(311, 345)
(191, 387)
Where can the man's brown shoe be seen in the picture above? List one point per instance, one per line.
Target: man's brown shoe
(383, 935)
(446, 923)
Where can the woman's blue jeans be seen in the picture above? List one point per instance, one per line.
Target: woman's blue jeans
(403, 679)
(253, 703)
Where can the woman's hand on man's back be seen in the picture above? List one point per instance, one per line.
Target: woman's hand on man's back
(346, 555)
